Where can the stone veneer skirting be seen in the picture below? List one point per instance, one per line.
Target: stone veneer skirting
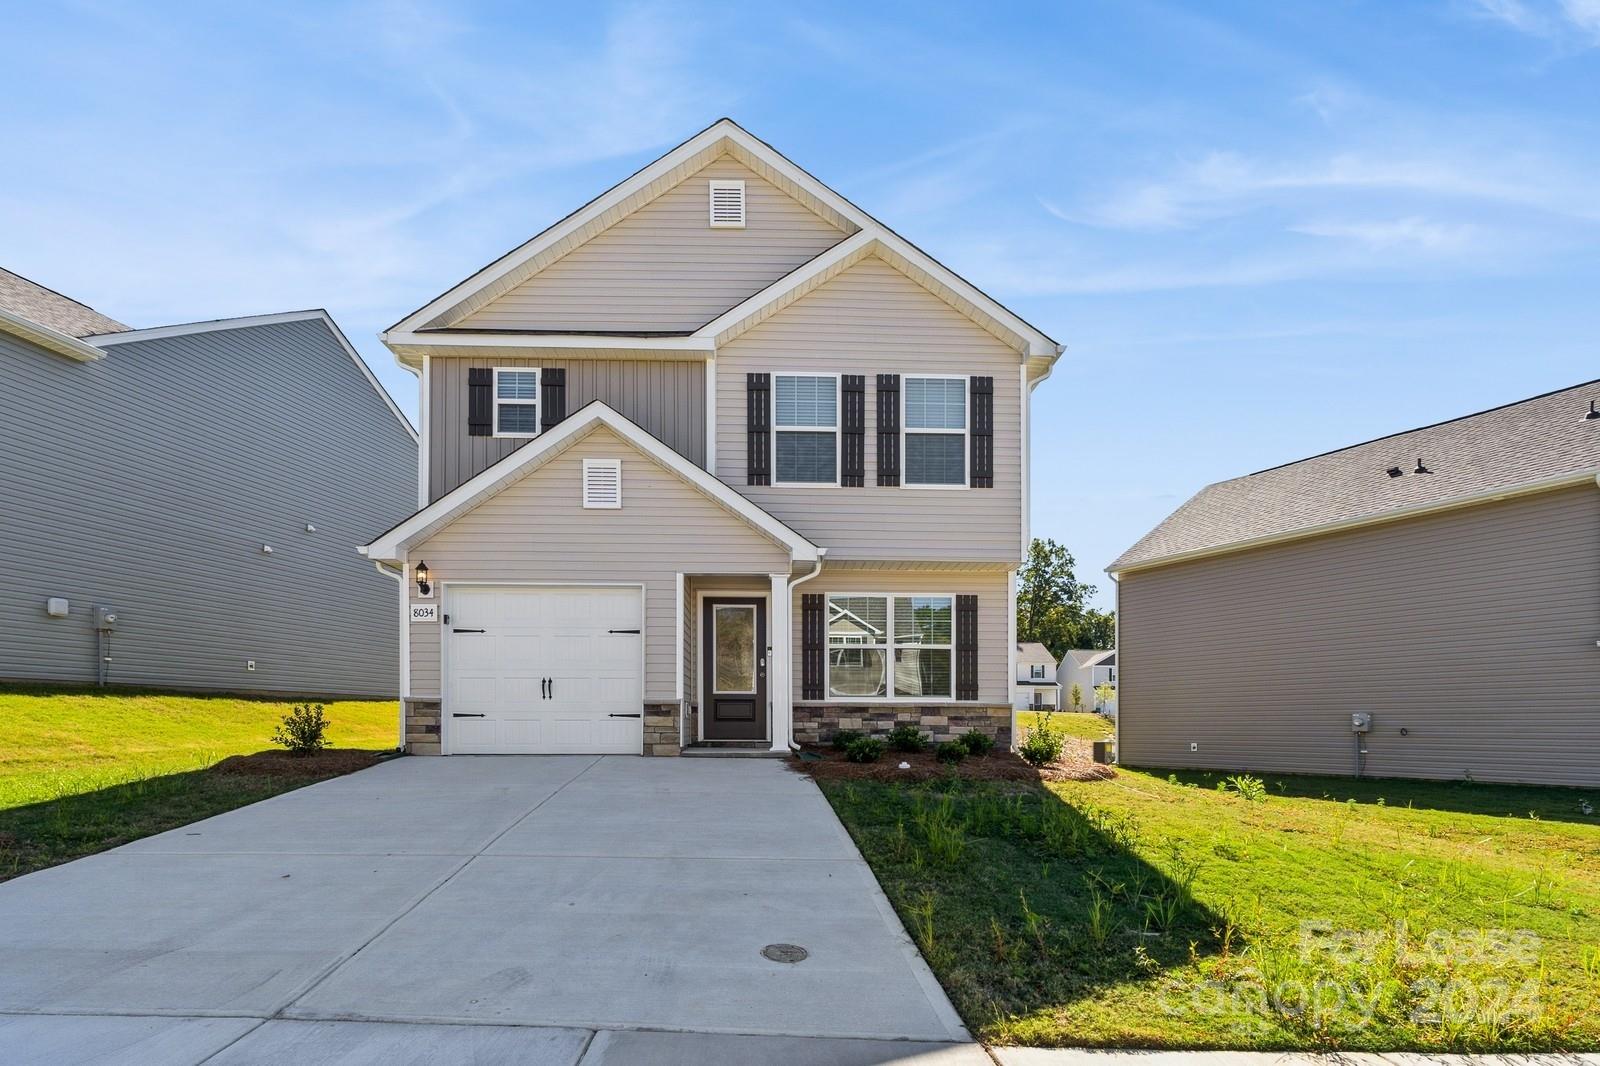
(661, 728)
(816, 723)
(422, 725)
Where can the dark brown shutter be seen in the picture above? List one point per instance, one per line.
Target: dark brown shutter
(758, 429)
(811, 646)
(552, 396)
(982, 435)
(480, 401)
(853, 430)
(966, 647)
(888, 429)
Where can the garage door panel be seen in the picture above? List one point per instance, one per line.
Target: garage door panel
(533, 633)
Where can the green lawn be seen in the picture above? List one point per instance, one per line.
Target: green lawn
(84, 770)
(1155, 911)
(1082, 726)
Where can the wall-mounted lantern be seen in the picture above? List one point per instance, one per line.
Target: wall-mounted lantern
(424, 588)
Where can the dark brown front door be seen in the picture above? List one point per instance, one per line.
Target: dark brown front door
(735, 683)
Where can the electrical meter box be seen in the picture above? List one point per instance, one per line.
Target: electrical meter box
(1361, 722)
(105, 618)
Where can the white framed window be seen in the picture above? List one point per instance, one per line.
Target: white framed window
(805, 425)
(726, 204)
(516, 401)
(602, 484)
(891, 646)
(1037, 672)
(933, 421)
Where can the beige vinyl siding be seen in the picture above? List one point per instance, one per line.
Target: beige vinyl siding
(666, 398)
(873, 320)
(994, 603)
(537, 530)
(1473, 629)
(664, 267)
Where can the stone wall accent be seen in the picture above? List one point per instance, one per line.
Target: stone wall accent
(816, 723)
(422, 725)
(661, 729)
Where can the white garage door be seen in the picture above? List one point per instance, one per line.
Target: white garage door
(546, 670)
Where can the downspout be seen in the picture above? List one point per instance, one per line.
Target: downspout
(795, 583)
(405, 634)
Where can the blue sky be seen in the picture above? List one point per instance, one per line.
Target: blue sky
(1263, 229)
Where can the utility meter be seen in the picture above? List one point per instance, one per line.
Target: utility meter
(1360, 722)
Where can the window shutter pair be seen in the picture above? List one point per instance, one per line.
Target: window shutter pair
(480, 399)
(812, 637)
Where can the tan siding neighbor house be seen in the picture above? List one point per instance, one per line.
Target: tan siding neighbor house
(717, 461)
(1444, 582)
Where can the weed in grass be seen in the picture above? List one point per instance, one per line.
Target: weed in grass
(942, 832)
(922, 921)
(1098, 914)
(1002, 943)
(1245, 787)
(1037, 924)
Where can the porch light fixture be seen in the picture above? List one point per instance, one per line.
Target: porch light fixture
(423, 586)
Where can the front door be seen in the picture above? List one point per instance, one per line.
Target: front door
(735, 682)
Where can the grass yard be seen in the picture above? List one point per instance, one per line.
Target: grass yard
(1153, 910)
(1082, 726)
(87, 769)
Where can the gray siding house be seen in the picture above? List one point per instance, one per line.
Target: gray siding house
(1443, 583)
(182, 504)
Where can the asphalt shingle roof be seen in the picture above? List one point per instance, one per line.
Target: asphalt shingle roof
(47, 307)
(1532, 440)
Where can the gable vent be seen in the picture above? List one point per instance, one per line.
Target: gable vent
(602, 483)
(727, 204)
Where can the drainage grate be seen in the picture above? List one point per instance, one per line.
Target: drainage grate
(785, 952)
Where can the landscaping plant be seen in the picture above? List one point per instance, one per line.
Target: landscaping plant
(864, 749)
(303, 730)
(977, 742)
(843, 738)
(951, 751)
(1043, 745)
(907, 737)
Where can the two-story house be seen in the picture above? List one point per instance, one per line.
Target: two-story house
(716, 459)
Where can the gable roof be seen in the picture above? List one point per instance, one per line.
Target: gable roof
(1031, 651)
(46, 307)
(1086, 657)
(1532, 445)
(130, 336)
(392, 544)
(418, 330)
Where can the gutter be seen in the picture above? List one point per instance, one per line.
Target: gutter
(399, 576)
(50, 339)
(795, 583)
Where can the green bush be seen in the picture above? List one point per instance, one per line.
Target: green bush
(1250, 788)
(303, 730)
(1042, 746)
(864, 749)
(951, 751)
(843, 738)
(907, 737)
(977, 742)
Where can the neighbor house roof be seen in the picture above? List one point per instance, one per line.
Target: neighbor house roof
(1031, 651)
(46, 307)
(1082, 657)
(1532, 445)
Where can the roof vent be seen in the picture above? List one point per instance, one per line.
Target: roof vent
(602, 483)
(727, 204)
(1395, 471)
(1592, 412)
(1420, 468)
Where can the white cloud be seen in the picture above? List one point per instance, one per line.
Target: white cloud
(1401, 233)
(1561, 18)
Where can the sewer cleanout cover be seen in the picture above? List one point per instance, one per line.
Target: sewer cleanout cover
(785, 952)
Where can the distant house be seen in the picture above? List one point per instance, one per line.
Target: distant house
(182, 505)
(1089, 668)
(1036, 687)
(1423, 605)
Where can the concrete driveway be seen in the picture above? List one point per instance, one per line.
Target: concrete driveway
(537, 910)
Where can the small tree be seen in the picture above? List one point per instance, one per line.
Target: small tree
(1103, 694)
(1077, 696)
(303, 730)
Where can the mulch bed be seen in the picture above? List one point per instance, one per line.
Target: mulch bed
(1076, 764)
(328, 763)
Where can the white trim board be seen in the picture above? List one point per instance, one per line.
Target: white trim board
(52, 340)
(393, 544)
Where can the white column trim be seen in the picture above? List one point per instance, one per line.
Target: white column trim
(711, 414)
(424, 386)
(779, 637)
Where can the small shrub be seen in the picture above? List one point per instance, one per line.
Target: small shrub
(977, 743)
(1249, 788)
(907, 737)
(1076, 695)
(1042, 746)
(303, 730)
(951, 751)
(864, 749)
(845, 737)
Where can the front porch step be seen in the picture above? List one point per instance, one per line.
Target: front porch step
(732, 750)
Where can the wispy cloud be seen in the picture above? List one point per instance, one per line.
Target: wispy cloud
(1414, 233)
(1562, 18)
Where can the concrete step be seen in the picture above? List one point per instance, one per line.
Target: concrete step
(732, 750)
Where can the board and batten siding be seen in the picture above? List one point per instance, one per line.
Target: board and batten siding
(873, 320)
(664, 267)
(150, 479)
(992, 587)
(666, 398)
(1474, 630)
(664, 527)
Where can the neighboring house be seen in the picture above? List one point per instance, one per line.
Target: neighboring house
(1036, 687)
(1089, 668)
(182, 503)
(1444, 581)
(716, 458)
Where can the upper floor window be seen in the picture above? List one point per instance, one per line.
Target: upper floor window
(516, 402)
(806, 424)
(936, 431)
(1037, 672)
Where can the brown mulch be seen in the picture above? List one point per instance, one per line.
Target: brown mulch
(329, 763)
(1076, 764)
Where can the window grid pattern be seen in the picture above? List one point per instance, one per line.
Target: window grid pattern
(935, 431)
(882, 647)
(806, 421)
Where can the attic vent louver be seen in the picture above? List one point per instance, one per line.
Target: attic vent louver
(602, 483)
(727, 204)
